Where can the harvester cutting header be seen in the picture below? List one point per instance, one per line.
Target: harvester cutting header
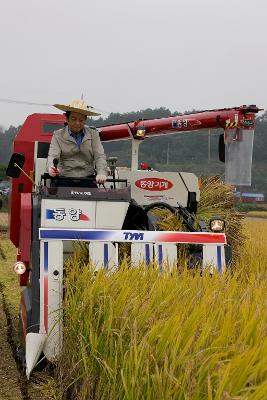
(46, 219)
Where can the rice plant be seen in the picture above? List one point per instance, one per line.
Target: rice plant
(141, 334)
(217, 199)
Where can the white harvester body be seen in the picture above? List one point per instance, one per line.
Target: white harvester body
(169, 187)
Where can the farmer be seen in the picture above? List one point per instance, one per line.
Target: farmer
(76, 150)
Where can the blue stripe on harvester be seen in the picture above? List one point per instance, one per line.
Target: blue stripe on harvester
(74, 235)
(147, 251)
(46, 257)
(49, 214)
(160, 256)
(219, 258)
(105, 255)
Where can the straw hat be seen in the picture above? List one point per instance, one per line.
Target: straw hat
(78, 106)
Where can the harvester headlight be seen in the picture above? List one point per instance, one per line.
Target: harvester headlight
(140, 132)
(19, 267)
(217, 225)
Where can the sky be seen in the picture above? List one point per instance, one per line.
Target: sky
(128, 55)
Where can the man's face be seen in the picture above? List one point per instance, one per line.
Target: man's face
(76, 121)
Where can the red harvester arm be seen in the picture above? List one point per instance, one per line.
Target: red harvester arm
(243, 116)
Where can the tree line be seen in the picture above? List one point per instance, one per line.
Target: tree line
(194, 152)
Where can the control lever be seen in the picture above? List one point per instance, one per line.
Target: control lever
(55, 163)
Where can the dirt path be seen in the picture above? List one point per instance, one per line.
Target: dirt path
(10, 387)
(13, 382)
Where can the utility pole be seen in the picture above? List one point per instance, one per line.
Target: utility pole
(168, 152)
(209, 146)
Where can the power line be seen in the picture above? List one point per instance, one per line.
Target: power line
(31, 103)
(25, 102)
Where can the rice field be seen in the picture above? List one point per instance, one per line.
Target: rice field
(3, 221)
(257, 214)
(142, 334)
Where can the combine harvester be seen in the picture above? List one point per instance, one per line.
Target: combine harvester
(46, 221)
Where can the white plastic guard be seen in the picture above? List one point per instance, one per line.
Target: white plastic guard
(165, 255)
(51, 296)
(214, 258)
(103, 254)
(141, 253)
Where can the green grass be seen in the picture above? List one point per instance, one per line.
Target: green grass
(257, 214)
(247, 207)
(4, 203)
(3, 221)
(138, 334)
(8, 277)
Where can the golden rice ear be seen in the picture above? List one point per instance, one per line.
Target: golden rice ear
(217, 198)
(167, 221)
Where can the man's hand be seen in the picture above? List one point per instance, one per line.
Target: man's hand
(53, 171)
(101, 179)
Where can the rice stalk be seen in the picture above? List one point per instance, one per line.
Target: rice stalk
(217, 199)
(142, 334)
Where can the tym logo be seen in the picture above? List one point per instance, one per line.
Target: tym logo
(133, 235)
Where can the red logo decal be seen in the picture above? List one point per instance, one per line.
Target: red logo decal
(154, 184)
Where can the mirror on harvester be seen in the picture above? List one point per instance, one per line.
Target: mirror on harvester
(15, 165)
(221, 148)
